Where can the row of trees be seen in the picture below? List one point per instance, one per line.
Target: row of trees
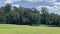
(21, 15)
(27, 16)
(49, 18)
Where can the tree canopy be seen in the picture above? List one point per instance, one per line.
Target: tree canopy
(27, 16)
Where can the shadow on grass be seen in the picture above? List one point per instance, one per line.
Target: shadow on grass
(53, 26)
(39, 25)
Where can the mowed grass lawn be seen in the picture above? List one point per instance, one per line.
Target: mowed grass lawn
(24, 29)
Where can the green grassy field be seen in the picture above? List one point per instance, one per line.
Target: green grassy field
(20, 29)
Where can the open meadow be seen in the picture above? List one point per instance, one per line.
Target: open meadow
(24, 29)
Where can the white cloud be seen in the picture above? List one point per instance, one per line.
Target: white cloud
(41, 0)
(56, 7)
(50, 0)
(16, 5)
(56, 3)
(39, 7)
(11, 1)
(33, 0)
(52, 9)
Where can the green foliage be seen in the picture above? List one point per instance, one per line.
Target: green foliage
(21, 15)
(44, 15)
(50, 19)
(27, 16)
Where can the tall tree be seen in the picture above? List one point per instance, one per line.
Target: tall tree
(7, 10)
(44, 14)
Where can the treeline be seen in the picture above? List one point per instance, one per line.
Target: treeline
(21, 15)
(27, 16)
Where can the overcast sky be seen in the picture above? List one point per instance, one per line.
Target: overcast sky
(52, 5)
